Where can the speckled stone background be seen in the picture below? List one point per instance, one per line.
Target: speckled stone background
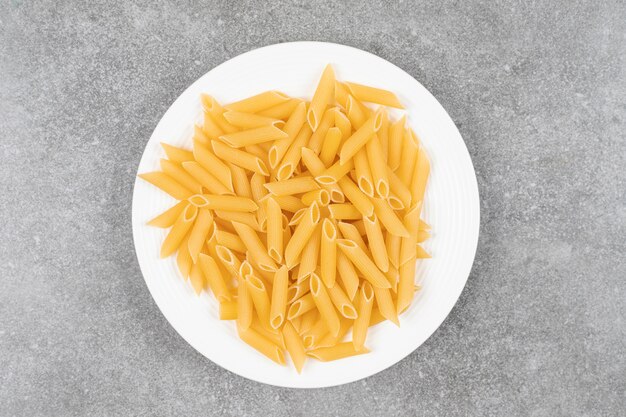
(538, 91)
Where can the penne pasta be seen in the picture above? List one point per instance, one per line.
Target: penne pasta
(260, 299)
(240, 158)
(344, 211)
(317, 138)
(257, 249)
(262, 344)
(224, 202)
(175, 154)
(228, 310)
(292, 128)
(330, 146)
(183, 258)
(324, 304)
(378, 167)
(341, 94)
(356, 196)
(343, 124)
(248, 219)
(180, 175)
(388, 218)
(295, 346)
(383, 137)
(338, 351)
(406, 286)
(199, 232)
(241, 184)
(351, 232)
(292, 186)
(178, 231)
(216, 112)
(363, 263)
(292, 158)
(282, 110)
(289, 203)
(328, 253)
(301, 306)
(316, 167)
(374, 95)
(213, 165)
(230, 240)
(321, 196)
(301, 234)
(278, 306)
(169, 216)
(363, 174)
(196, 278)
(409, 156)
(385, 304)
(420, 177)
(167, 184)
(258, 102)
(310, 254)
(359, 138)
(376, 242)
(274, 230)
(347, 275)
(323, 96)
(393, 242)
(251, 121)
(341, 302)
(355, 113)
(297, 290)
(362, 322)
(253, 136)
(395, 143)
(205, 178)
(214, 277)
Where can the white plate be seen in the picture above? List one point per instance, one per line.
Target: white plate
(451, 208)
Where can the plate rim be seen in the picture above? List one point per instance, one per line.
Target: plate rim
(475, 192)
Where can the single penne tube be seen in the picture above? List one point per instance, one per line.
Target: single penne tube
(214, 277)
(281, 111)
(376, 242)
(393, 277)
(408, 242)
(301, 234)
(316, 167)
(275, 231)
(378, 167)
(176, 154)
(258, 193)
(257, 249)
(343, 124)
(228, 259)
(359, 138)
(353, 193)
(297, 290)
(239, 216)
(169, 216)
(262, 344)
(183, 258)
(338, 351)
(297, 185)
(258, 102)
(318, 136)
(385, 304)
(205, 178)
(310, 254)
(214, 165)
(341, 93)
(328, 253)
(278, 305)
(253, 136)
(396, 131)
(230, 240)
(240, 158)
(250, 121)
(331, 144)
(398, 188)
(295, 346)
(324, 304)
(178, 231)
(291, 160)
(291, 129)
(260, 299)
(363, 173)
(289, 203)
(420, 176)
(388, 218)
(324, 93)
(341, 301)
(363, 263)
(347, 275)
(241, 184)
(355, 113)
(245, 309)
(301, 306)
(228, 310)
(406, 286)
(224, 202)
(196, 279)
(351, 232)
(374, 95)
(181, 176)
(286, 231)
(409, 156)
(345, 211)
(167, 184)
(362, 322)
(393, 242)
(383, 136)
(321, 196)
(199, 232)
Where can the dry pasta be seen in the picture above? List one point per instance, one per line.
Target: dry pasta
(301, 218)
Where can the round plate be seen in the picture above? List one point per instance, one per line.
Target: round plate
(451, 208)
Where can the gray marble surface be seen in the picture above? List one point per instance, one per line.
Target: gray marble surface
(538, 91)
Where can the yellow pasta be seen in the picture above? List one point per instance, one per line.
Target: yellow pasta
(258, 102)
(295, 346)
(250, 121)
(292, 128)
(199, 233)
(376, 242)
(251, 239)
(359, 138)
(175, 154)
(374, 95)
(338, 351)
(324, 304)
(363, 263)
(178, 231)
(167, 184)
(328, 253)
(274, 230)
(323, 95)
(292, 186)
(301, 218)
(169, 216)
(363, 174)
